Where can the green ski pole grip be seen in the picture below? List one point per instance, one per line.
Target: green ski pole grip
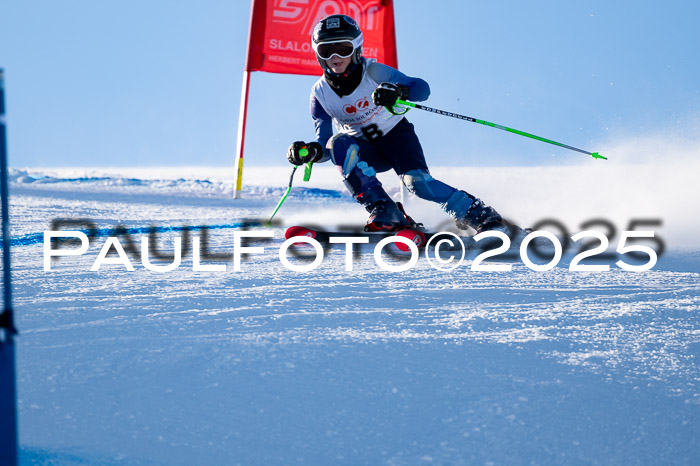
(307, 170)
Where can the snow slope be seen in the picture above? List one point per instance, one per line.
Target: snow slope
(270, 366)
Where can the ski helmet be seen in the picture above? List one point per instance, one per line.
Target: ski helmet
(337, 35)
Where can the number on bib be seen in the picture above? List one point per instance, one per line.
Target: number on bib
(372, 132)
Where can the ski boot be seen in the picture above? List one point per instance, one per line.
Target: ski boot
(478, 215)
(485, 218)
(471, 212)
(385, 214)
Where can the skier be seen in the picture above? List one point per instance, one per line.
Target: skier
(355, 93)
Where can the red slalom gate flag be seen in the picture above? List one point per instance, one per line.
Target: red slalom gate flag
(280, 32)
(279, 41)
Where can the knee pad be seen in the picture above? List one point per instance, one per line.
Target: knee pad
(420, 183)
(357, 174)
(417, 182)
(345, 152)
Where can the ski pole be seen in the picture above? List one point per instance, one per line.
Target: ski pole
(286, 193)
(307, 176)
(595, 155)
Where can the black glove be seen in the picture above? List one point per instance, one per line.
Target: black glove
(385, 94)
(314, 149)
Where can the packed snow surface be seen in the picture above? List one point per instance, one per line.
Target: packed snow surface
(271, 366)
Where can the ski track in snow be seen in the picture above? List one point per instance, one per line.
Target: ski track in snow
(271, 366)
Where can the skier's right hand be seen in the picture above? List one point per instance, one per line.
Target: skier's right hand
(312, 152)
(386, 94)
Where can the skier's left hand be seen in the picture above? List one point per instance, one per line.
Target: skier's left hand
(314, 152)
(386, 94)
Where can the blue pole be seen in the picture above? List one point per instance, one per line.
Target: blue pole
(8, 387)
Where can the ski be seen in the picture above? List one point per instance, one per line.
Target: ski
(447, 241)
(324, 236)
(418, 237)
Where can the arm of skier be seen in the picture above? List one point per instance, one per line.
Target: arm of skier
(419, 90)
(301, 152)
(323, 124)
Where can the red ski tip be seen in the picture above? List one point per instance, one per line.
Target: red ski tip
(299, 231)
(418, 237)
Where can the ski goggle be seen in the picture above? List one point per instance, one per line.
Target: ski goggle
(342, 48)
